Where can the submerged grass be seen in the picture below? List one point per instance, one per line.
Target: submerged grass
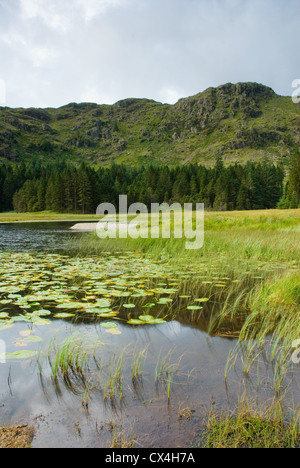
(271, 312)
(71, 362)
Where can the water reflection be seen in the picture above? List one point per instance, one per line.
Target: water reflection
(38, 237)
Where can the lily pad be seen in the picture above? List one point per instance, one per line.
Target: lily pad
(136, 322)
(113, 331)
(5, 325)
(4, 315)
(108, 325)
(33, 339)
(64, 315)
(25, 354)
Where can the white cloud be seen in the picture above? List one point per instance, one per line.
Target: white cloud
(41, 56)
(57, 51)
(2, 92)
(170, 95)
(93, 8)
(53, 13)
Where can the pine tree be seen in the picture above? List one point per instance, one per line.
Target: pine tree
(294, 180)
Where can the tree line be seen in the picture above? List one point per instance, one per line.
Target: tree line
(80, 189)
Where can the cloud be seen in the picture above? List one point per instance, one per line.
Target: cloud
(63, 51)
(54, 13)
(94, 8)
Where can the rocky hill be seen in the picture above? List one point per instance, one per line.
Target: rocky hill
(244, 121)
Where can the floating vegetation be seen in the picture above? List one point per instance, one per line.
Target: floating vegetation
(26, 354)
(40, 288)
(146, 319)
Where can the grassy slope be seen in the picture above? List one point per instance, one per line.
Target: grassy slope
(241, 122)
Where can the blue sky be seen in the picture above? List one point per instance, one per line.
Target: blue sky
(58, 51)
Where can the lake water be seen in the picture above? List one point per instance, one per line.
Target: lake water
(40, 237)
(181, 366)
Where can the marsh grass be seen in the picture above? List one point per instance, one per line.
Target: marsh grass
(70, 361)
(268, 235)
(165, 371)
(271, 312)
(138, 364)
(251, 427)
(114, 384)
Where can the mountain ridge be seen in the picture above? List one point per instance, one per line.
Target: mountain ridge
(240, 122)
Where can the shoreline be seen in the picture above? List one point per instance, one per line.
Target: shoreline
(49, 221)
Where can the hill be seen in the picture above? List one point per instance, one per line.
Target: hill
(240, 122)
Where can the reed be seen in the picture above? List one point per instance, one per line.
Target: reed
(71, 361)
(114, 384)
(138, 363)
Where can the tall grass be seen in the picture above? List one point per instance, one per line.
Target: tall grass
(251, 427)
(228, 248)
(70, 361)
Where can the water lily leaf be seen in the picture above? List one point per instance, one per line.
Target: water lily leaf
(195, 308)
(114, 331)
(4, 315)
(164, 300)
(40, 321)
(25, 333)
(143, 294)
(135, 322)
(150, 320)
(146, 318)
(25, 354)
(5, 325)
(64, 315)
(42, 313)
(129, 306)
(33, 339)
(71, 305)
(157, 321)
(108, 314)
(120, 294)
(202, 299)
(21, 318)
(20, 343)
(102, 303)
(108, 325)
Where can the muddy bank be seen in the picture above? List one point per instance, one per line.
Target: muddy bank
(16, 437)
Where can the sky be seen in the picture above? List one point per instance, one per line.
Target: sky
(53, 52)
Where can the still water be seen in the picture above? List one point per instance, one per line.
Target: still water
(179, 369)
(39, 237)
